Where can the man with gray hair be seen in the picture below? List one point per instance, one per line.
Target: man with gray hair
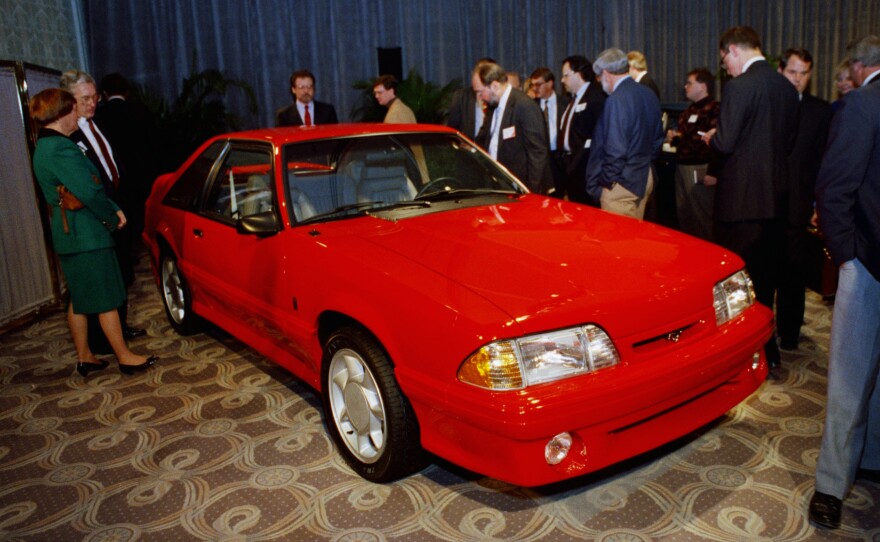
(848, 199)
(97, 148)
(627, 139)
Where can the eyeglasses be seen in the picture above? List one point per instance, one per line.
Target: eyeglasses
(304, 87)
(85, 100)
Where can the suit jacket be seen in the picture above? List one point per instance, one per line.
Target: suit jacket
(583, 123)
(648, 81)
(561, 103)
(399, 113)
(289, 116)
(848, 186)
(57, 160)
(627, 139)
(85, 146)
(461, 115)
(806, 157)
(132, 134)
(757, 128)
(522, 142)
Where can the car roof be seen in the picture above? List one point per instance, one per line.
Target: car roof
(292, 134)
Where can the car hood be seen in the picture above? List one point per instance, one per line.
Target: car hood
(549, 263)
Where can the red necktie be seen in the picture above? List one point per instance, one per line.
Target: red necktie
(308, 116)
(114, 174)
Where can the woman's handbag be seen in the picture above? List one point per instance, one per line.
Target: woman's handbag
(68, 202)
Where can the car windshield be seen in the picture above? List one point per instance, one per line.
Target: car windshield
(351, 176)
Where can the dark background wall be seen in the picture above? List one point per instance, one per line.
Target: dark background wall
(157, 43)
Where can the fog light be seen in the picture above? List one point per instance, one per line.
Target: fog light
(557, 449)
(756, 360)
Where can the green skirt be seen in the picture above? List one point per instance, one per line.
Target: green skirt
(94, 280)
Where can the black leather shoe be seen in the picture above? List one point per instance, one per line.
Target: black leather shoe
(132, 332)
(86, 368)
(132, 369)
(789, 345)
(870, 475)
(771, 350)
(825, 510)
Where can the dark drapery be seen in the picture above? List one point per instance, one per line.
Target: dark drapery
(263, 41)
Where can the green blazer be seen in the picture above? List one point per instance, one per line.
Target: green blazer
(57, 160)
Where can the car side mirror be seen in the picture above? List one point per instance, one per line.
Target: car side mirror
(262, 224)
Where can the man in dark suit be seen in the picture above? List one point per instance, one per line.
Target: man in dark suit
(466, 112)
(848, 201)
(638, 70)
(627, 139)
(517, 136)
(796, 65)
(578, 123)
(305, 110)
(543, 84)
(131, 132)
(96, 147)
(756, 132)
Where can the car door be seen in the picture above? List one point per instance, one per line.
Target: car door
(235, 273)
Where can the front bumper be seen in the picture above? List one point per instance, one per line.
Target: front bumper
(612, 415)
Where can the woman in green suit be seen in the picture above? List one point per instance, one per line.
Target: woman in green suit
(82, 237)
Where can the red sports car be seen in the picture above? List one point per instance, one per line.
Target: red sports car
(437, 305)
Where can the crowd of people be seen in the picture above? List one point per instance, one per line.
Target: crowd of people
(753, 172)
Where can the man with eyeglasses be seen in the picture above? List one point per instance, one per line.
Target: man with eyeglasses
(97, 148)
(543, 84)
(578, 122)
(756, 132)
(305, 110)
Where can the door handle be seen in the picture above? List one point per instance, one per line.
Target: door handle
(198, 233)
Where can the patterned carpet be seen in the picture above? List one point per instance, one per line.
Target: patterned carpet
(217, 443)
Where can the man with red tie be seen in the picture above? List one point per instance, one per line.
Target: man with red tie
(96, 147)
(305, 110)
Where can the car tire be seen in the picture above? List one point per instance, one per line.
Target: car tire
(176, 296)
(369, 418)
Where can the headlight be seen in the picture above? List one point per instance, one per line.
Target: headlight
(516, 363)
(733, 295)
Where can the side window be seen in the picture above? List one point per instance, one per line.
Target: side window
(186, 191)
(243, 185)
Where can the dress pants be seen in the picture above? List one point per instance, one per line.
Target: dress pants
(792, 288)
(694, 201)
(851, 437)
(760, 244)
(619, 200)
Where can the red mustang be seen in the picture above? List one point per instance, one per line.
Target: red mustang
(437, 305)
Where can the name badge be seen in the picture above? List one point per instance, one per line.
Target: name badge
(580, 107)
(693, 118)
(509, 132)
(587, 143)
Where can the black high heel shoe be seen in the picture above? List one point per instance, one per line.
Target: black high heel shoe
(132, 369)
(85, 368)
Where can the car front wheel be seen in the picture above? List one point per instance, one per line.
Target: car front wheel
(368, 416)
(176, 297)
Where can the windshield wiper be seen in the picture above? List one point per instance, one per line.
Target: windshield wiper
(365, 206)
(400, 204)
(466, 192)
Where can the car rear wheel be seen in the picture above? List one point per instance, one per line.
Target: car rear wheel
(176, 297)
(368, 416)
